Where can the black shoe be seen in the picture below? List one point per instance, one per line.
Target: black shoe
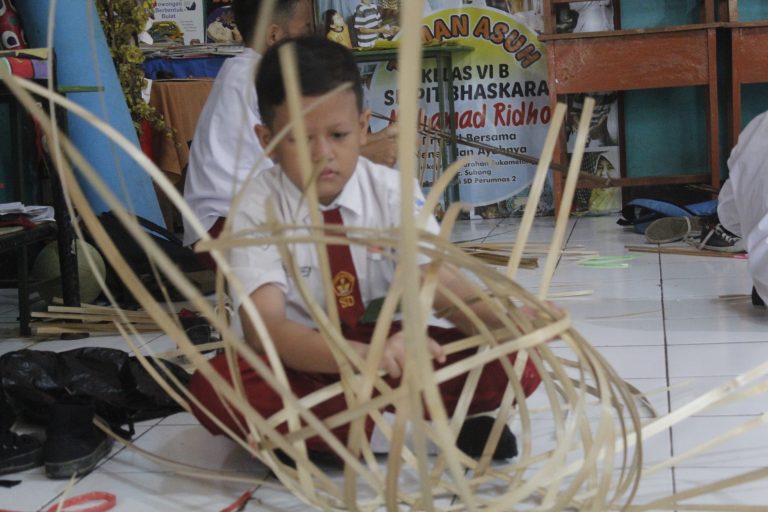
(474, 434)
(19, 452)
(73, 444)
(320, 459)
(757, 300)
(717, 238)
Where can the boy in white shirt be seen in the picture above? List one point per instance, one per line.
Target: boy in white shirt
(355, 192)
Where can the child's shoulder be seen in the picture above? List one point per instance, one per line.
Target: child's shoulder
(377, 174)
(264, 182)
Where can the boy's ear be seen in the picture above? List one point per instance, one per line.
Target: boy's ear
(274, 34)
(264, 134)
(365, 121)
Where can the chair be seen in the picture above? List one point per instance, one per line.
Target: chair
(61, 230)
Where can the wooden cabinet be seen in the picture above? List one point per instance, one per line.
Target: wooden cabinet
(749, 59)
(632, 59)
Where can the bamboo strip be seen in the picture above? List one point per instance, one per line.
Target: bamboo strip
(496, 150)
(682, 251)
(567, 200)
(100, 310)
(408, 81)
(59, 328)
(535, 192)
(293, 99)
(85, 316)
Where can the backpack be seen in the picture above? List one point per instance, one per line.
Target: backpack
(184, 257)
(639, 213)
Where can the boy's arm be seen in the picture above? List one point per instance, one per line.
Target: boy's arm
(304, 349)
(448, 275)
(300, 348)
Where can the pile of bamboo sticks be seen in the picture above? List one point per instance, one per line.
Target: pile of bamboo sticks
(99, 320)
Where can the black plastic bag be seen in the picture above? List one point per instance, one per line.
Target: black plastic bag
(121, 389)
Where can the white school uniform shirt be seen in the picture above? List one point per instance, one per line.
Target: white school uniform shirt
(743, 200)
(371, 199)
(225, 147)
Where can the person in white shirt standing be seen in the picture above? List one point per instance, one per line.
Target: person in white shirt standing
(225, 148)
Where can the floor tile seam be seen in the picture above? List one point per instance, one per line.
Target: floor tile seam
(159, 336)
(719, 466)
(590, 282)
(490, 233)
(645, 345)
(120, 447)
(676, 318)
(750, 416)
(710, 375)
(667, 369)
(160, 471)
(722, 343)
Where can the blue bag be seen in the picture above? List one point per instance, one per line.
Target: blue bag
(639, 213)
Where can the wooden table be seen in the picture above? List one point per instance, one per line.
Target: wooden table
(180, 102)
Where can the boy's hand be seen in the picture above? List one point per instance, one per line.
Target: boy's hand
(393, 359)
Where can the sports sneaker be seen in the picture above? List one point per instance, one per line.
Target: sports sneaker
(671, 229)
(19, 452)
(717, 238)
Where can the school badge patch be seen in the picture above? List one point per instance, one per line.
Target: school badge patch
(343, 287)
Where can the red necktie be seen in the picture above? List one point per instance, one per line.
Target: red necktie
(345, 286)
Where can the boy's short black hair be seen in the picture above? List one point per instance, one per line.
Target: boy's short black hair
(323, 66)
(246, 12)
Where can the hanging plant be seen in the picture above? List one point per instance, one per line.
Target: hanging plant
(123, 21)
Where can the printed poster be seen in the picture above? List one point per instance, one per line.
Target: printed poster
(499, 88)
(178, 21)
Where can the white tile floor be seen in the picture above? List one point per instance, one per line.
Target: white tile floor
(661, 322)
